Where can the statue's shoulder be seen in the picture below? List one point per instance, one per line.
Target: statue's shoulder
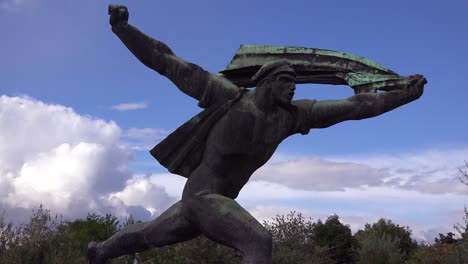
(218, 90)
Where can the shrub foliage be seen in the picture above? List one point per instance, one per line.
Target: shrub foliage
(47, 239)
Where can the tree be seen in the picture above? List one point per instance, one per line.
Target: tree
(93, 228)
(386, 227)
(446, 239)
(38, 241)
(47, 239)
(375, 248)
(337, 238)
(8, 236)
(293, 240)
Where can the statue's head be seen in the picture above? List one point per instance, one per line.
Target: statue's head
(276, 80)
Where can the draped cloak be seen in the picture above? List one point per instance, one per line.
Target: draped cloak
(182, 151)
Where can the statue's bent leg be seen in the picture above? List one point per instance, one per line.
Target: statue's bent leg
(169, 228)
(223, 220)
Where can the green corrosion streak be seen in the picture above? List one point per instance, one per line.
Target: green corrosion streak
(265, 49)
(355, 79)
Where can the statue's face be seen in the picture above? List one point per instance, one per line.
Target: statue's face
(282, 88)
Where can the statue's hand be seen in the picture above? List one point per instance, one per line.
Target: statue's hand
(416, 87)
(118, 14)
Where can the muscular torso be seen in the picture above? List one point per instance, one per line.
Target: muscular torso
(242, 141)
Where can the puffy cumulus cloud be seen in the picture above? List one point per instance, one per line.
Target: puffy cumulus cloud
(173, 184)
(144, 191)
(320, 175)
(67, 174)
(30, 127)
(429, 234)
(70, 163)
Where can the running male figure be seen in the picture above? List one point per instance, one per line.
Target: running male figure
(220, 148)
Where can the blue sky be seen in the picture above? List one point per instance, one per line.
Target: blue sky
(61, 66)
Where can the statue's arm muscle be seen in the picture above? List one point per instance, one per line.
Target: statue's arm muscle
(188, 77)
(326, 113)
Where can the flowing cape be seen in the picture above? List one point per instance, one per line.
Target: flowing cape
(182, 151)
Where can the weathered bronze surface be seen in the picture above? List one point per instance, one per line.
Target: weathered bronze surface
(239, 130)
(313, 66)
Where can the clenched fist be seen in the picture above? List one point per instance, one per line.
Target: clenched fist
(417, 85)
(118, 15)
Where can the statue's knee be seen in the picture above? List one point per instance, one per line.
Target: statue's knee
(187, 209)
(263, 241)
(259, 250)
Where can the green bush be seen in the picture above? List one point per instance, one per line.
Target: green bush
(375, 248)
(385, 227)
(436, 254)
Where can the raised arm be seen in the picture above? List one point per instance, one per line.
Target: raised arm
(188, 77)
(322, 114)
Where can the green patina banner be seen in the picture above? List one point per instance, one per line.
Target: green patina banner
(313, 66)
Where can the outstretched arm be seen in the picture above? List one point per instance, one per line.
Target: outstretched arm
(323, 114)
(188, 77)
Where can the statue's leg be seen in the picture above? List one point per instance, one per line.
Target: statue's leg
(169, 228)
(223, 220)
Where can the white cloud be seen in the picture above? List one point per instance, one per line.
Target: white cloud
(426, 214)
(49, 154)
(346, 187)
(432, 171)
(142, 191)
(173, 184)
(428, 235)
(129, 106)
(320, 175)
(143, 138)
(258, 190)
(30, 127)
(146, 133)
(420, 190)
(75, 164)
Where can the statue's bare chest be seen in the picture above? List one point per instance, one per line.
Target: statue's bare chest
(246, 130)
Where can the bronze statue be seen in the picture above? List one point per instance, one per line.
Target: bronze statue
(238, 131)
